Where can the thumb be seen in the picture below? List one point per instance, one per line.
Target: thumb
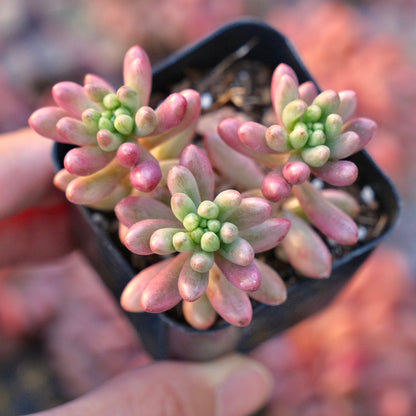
(230, 386)
(26, 167)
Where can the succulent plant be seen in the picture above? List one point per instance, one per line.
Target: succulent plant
(216, 239)
(313, 212)
(313, 135)
(115, 132)
(201, 212)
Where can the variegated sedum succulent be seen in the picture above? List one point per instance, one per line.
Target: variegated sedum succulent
(214, 240)
(115, 131)
(312, 137)
(204, 210)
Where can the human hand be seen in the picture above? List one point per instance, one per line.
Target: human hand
(34, 221)
(34, 226)
(231, 386)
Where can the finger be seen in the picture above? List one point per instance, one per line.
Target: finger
(36, 234)
(26, 171)
(231, 386)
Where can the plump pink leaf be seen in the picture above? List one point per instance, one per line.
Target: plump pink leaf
(199, 165)
(86, 160)
(228, 131)
(71, 97)
(172, 147)
(132, 293)
(74, 132)
(44, 121)
(232, 304)
(129, 154)
(251, 211)
(96, 88)
(238, 252)
(146, 121)
(253, 135)
(246, 278)
(296, 172)
(137, 208)
(162, 292)
(98, 81)
(276, 139)
(170, 112)
(284, 88)
(364, 127)
(266, 235)
(292, 113)
(272, 290)
(347, 104)
(305, 250)
(193, 111)
(146, 175)
(342, 200)
(202, 261)
(328, 218)
(161, 240)
(344, 145)
(183, 132)
(121, 190)
(337, 173)
(137, 73)
(275, 187)
(87, 190)
(200, 314)
(62, 179)
(284, 69)
(227, 202)
(181, 180)
(137, 238)
(242, 171)
(109, 141)
(191, 284)
(328, 101)
(307, 92)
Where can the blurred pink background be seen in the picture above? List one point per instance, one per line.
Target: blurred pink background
(358, 356)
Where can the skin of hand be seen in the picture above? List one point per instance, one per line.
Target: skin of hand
(230, 386)
(34, 221)
(35, 227)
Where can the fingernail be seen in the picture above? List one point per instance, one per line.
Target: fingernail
(242, 385)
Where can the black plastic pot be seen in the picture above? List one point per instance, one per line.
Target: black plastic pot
(162, 336)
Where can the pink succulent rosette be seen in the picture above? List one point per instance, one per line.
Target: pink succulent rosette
(313, 212)
(314, 135)
(215, 238)
(116, 133)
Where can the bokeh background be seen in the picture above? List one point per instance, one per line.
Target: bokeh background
(358, 357)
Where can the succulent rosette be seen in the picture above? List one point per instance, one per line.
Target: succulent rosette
(314, 134)
(208, 243)
(314, 213)
(115, 132)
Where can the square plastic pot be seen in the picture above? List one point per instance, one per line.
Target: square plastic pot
(162, 336)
